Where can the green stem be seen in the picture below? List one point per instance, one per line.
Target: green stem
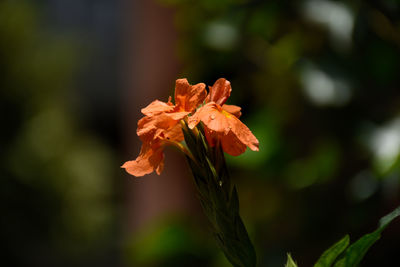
(219, 199)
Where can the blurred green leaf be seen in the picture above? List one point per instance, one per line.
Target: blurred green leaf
(265, 128)
(355, 253)
(320, 166)
(384, 221)
(330, 255)
(264, 20)
(163, 244)
(290, 262)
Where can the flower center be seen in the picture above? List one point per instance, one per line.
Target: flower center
(226, 114)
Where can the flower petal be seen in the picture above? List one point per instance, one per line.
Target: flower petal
(211, 137)
(174, 134)
(244, 134)
(224, 126)
(230, 142)
(234, 110)
(159, 126)
(176, 116)
(220, 91)
(157, 107)
(188, 97)
(150, 158)
(212, 117)
(146, 129)
(232, 145)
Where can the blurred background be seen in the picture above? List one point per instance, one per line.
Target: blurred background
(319, 85)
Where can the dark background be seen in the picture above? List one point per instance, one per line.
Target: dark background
(319, 85)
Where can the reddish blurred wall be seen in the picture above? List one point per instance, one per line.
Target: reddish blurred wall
(151, 68)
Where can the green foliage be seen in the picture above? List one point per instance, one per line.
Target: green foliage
(353, 255)
(311, 152)
(350, 256)
(263, 125)
(219, 199)
(290, 262)
(168, 242)
(330, 255)
(55, 189)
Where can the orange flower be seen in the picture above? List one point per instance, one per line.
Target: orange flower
(221, 121)
(161, 127)
(151, 157)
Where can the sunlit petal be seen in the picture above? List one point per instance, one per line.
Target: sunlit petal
(188, 97)
(220, 91)
(150, 158)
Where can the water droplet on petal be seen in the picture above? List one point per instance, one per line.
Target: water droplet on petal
(212, 116)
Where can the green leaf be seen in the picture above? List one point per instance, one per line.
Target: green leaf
(384, 221)
(290, 262)
(219, 198)
(234, 202)
(330, 255)
(355, 253)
